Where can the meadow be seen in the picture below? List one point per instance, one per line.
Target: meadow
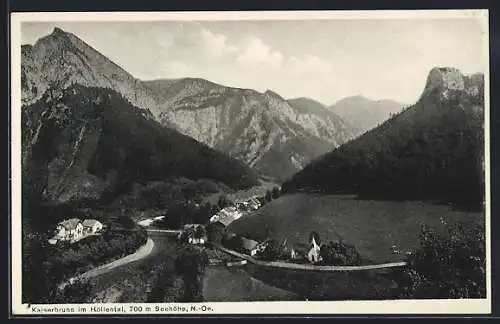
(372, 226)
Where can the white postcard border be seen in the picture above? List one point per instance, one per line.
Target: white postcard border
(463, 306)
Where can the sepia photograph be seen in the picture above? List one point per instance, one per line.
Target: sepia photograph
(250, 162)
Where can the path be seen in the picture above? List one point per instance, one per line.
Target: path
(310, 267)
(154, 230)
(142, 252)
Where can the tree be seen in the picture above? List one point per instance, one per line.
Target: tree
(316, 237)
(190, 264)
(275, 193)
(339, 253)
(223, 202)
(234, 242)
(215, 233)
(268, 196)
(273, 250)
(200, 232)
(447, 265)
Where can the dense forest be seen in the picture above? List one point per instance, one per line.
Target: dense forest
(431, 150)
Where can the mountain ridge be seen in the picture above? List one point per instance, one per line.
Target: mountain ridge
(364, 112)
(260, 129)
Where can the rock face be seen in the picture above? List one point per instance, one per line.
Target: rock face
(86, 143)
(62, 58)
(365, 113)
(433, 149)
(261, 129)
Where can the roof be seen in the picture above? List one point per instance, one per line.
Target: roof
(90, 222)
(228, 215)
(227, 220)
(187, 226)
(70, 223)
(249, 244)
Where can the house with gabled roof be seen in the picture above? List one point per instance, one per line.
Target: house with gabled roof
(68, 230)
(226, 216)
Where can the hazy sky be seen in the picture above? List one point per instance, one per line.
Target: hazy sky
(322, 59)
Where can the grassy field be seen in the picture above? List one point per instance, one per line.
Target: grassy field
(371, 226)
(342, 285)
(258, 190)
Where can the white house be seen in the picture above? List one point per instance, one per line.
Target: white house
(91, 226)
(196, 240)
(313, 255)
(68, 230)
(227, 215)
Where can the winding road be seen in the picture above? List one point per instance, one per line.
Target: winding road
(310, 267)
(127, 282)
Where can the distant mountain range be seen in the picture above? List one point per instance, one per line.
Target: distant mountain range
(365, 113)
(270, 134)
(430, 150)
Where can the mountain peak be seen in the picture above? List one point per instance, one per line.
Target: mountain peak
(58, 30)
(444, 78)
(273, 95)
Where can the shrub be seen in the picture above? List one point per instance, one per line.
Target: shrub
(274, 250)
(339, 253)
(449, 265)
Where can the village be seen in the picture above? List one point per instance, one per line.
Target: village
(214, 234)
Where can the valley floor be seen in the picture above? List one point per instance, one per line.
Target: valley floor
(372, 226)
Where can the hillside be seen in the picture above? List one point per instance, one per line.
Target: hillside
(88, 143)
(365, 113)
(431, 150)
(260, 129)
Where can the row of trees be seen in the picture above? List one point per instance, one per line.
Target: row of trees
(272, 194)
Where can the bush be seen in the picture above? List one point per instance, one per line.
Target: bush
(274, 250)
(449, 265)
(215, 233)
(339, 254)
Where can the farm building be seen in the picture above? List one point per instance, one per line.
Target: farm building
(68, 230)
(193, 234)
(91, 226)
(249, 246)
(226, 216)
